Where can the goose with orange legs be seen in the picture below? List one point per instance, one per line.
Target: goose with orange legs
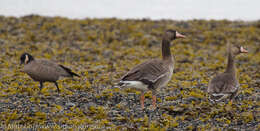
(155, 73)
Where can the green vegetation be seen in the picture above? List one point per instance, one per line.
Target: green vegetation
(102, 50)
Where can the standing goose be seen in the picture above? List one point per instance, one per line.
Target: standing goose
(43, 70)
(225, 85)
(155, 73)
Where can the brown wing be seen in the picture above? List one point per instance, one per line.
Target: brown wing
(148, 72)
(46, 62)
(52, 67)
(39, 72)
(223, 83)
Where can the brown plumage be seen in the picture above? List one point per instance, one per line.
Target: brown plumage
(152, 74)
(225, 85)
(43, 70)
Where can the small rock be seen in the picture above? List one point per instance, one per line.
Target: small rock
(70, 104)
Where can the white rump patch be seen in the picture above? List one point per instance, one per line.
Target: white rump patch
(134, 84)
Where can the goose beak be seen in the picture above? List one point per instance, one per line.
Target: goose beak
(178, 35)
(243, 50)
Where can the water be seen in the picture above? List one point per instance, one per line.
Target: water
(154, 9)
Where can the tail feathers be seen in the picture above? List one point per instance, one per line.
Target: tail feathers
(121, 84)
(69, 71)
(133, 84)
(218, 97)
(125, 84)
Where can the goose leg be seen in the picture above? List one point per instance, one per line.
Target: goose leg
(56, 84)
(231, 102)
(41, 85)
(154, 101)
(142, 100)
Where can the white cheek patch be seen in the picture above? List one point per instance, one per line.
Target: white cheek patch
(26, 59)
(135, 84)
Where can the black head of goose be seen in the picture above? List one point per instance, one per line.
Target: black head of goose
(43, 70)
(154, 73)
(225, 85)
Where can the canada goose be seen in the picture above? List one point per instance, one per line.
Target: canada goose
(152, 74)
(225, 85)
(43, 70)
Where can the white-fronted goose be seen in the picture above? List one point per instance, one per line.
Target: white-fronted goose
(155, 73)
(225, 85)
(43, 70)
